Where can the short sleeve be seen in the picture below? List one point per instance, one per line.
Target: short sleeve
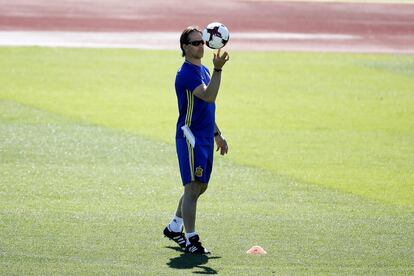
(192, 79)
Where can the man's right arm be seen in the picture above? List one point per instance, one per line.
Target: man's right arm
(209, 93)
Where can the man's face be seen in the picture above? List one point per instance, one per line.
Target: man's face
(193, 51)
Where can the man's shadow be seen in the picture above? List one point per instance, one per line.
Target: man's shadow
(189, 261)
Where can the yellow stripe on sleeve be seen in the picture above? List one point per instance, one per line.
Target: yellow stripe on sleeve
(190, 106)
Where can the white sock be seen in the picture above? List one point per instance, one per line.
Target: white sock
(189, 235)
(176, 224)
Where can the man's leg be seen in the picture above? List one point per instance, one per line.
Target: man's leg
(174, 229)
(178, 213)
(176, 223)
(192, 192)
(189, 204)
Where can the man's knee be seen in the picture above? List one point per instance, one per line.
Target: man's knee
(203, 188)
(195, 189)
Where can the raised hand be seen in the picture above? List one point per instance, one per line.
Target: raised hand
(220, 60)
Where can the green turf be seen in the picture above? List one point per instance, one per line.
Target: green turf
(342, 121)
(82, 199)
(318, 173)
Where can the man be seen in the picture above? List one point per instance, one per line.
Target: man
(195, 135)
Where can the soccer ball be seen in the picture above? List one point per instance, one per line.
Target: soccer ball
(216, 35)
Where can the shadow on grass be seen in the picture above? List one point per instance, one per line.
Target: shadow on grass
(189, 261)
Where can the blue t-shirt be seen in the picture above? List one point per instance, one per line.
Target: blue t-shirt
(194, 112)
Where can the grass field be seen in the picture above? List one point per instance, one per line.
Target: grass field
(319, 171)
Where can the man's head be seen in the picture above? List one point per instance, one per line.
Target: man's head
(191, 43)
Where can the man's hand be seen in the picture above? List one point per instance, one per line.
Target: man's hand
(221, 144)
(219, 61)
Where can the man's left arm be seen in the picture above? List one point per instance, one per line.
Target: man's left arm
(220, 141)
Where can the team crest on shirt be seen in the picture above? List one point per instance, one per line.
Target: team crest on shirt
(199, 171)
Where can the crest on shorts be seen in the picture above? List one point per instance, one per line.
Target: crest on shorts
(199, 171)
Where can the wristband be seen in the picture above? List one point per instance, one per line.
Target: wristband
(216, 133)
(218, 70)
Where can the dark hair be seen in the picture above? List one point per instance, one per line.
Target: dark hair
(184, 36)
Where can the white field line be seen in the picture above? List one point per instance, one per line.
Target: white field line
(143, 40)
(409, 2)
(291, 36)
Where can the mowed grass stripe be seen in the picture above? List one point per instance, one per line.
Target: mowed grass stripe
(342, 121)
(82, 199)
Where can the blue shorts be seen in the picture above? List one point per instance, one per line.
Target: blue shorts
(195, 164)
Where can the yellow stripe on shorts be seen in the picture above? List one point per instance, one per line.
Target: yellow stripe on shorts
(191, 159)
